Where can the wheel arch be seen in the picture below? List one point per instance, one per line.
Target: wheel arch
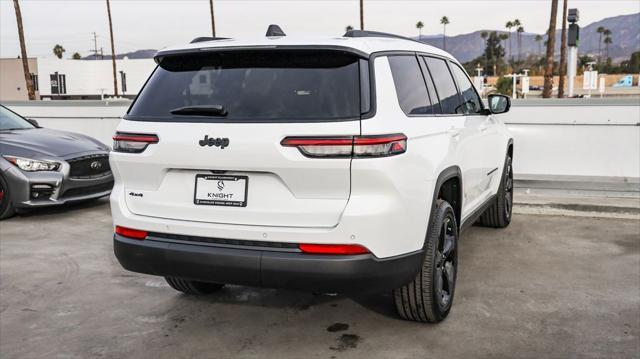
(448, 187)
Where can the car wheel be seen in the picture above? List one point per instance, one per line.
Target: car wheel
(499, 214)
(193, 287)
(6, 206)
(429, 296)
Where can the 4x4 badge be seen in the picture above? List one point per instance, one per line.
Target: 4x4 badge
(210, 141)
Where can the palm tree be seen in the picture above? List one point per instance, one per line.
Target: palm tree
(213, 19)
(484, 36)
(23, 53)
(361, 14)
(113, 51)
(607, 41)
(444, 21)
(58, 50)
(519, 32)
(348, 28)
(76, 56)
(607, 33)
(563, 51)
(419, 26)
(539, 39)
(551, 43)
(600, 31)
(509, 25)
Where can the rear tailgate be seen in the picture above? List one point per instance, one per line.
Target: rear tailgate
(267, 98)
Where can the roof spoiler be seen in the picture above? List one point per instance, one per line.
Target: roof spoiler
(207, 38)
(275, 31)
(367, 33)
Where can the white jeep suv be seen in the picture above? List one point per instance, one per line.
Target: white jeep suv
(344, 164)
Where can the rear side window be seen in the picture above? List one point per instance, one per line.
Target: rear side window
(253, 86)
(446, 87)
(410, 86)
(471, 104)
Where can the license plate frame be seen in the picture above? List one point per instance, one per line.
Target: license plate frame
(224, 179)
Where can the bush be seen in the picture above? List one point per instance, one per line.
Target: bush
(504, 85)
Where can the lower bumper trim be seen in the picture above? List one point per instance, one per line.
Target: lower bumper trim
(273, 269)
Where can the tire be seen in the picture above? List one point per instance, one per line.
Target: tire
(193, 287)
(428, 298)
(499, 214)
(6, 206)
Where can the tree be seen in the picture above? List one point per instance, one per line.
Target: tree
(419, 26)
(58, 50)
(494, 53)
(484, 36)
(509, 25)
(76, 56)
(23, 53)
(361, 14)
(348, 28)
(516, 24)
(551, 43)
(563, 51)
(600, 31)
(444, 21)
(607, 41)
(113, 51)
(519, 32)
(539, 39)
(213, 19)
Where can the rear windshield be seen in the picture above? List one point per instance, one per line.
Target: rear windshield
(253, 86)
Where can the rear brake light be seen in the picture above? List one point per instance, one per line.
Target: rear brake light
(344, 249)
(131, 233)
(132, 142)
(352, 146)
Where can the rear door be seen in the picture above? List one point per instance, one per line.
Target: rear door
(219, 158)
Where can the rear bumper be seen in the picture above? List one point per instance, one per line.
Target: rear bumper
(266, 267)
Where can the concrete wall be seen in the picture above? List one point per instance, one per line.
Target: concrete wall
(553, 138)
(12, 84)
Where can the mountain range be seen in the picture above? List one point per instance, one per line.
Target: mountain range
(625, 31)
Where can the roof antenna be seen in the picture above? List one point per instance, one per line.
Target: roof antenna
(275, 30)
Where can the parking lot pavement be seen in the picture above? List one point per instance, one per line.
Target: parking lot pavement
(547, 286)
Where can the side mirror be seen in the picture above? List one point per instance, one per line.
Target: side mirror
(499, 103)
(33, 122)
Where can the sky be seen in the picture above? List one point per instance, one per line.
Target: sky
(155, 24)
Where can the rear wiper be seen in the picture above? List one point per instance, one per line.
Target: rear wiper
(203, 110)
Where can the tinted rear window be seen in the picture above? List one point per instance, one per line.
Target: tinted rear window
(254, 86)
(447, 91)
(410, 86)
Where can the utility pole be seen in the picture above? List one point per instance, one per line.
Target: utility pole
(95, 45)
(563, 52)
(113, 52)
(361, 14)
(23, 52)
(213, 21)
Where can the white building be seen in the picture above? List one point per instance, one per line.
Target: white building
(78, 79)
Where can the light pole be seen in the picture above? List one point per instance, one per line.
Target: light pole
(573, 41)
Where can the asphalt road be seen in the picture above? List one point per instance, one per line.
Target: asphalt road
(548, 286)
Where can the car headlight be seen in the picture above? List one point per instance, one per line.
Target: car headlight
(30, 165)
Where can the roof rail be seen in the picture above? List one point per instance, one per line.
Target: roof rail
(207, 38)
(275, 30)
(367, 33)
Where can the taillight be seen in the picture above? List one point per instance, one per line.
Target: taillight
(352, 146)
(132, 142)
(131, 233)
(342, 249)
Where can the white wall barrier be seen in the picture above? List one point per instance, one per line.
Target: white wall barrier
(566, 138)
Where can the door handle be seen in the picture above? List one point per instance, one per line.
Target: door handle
(483, 127)
(453, 132)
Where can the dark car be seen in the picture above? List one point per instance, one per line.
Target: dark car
(43, 167)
